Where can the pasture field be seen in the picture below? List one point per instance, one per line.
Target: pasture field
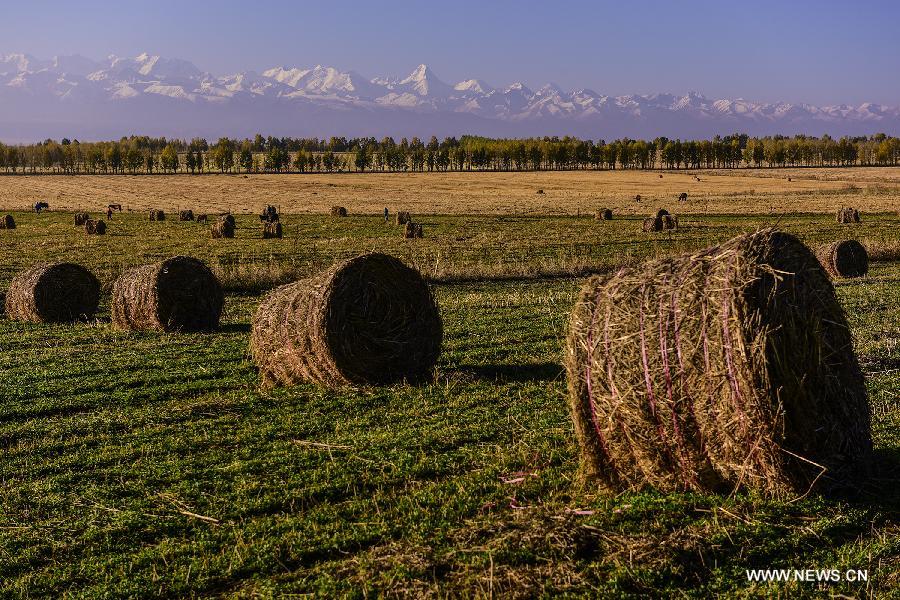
(740, 191)
(153, 465)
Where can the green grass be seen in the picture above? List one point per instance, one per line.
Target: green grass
(147, 465)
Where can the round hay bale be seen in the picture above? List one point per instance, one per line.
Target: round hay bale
(661, 213)
(222, 228)
(604, 214)
(848, 215)
(186, 215)
(81, 218)
(729, 368)
(178, 294)
(92, 227)
(338, 211)
(227, 217)
(847, 258)
(652, 224)
(157, 215)
(409, 231)
(669, 222)
(7, 222)
(202, 218)
(53, 293)
(402, 218)
(368, 320)
(540, 192)
(272, 230)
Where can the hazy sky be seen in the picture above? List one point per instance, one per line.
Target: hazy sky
(821, 52)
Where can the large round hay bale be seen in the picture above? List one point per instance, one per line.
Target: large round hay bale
(604, 214)
(53, 293)
(402, 217)
(178, 294)
(669, 222)
(848, 215)
(652, 224)
(186, 215)
(272, 230)
(368, 320)
(81, 218)
(7, 222)
(222, 228)
(338, 211)
(846, 258)
(729, 368)
(157, 215)
(92, 227)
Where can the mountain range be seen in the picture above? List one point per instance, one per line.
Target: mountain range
(77, 97)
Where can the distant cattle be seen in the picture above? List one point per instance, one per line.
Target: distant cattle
(637, 197)
(39, 206)
(682, 197)
(117, 207)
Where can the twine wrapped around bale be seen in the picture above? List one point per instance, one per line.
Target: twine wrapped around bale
(92, 227)
(731, 368)
(157, 215)
(368, 320)
(652, 224)
(338, 211)
(402, 217)
(847, 258)
(178, 294)
(848, 215)
(222, 228)
(669, 222)
(81, 218)
(53, 293)
(272, 230)
(186, 215)
(7, 222)
(604, 214)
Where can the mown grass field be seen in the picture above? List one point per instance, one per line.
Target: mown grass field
(148, 465)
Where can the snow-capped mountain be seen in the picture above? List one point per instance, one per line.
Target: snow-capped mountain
(75, 96)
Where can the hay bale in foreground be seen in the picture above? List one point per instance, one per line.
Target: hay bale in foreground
(652, 224)
(222, 228)
(157, 215)
(178, 294)
(367, 320)
(669, 222)
(272, 230)
(92, 227)
(186, 215)
(402, 217)
(716, 371)
(848, 215)
(604, 214)
(338, 211)
(7, 222)
(81, 218)
(847, 258)
(53, 293)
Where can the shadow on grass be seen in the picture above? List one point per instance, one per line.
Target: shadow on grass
(545, 371)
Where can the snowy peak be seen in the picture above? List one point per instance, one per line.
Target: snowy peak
(423, 82)
(473, 86)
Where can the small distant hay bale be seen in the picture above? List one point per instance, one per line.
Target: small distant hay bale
(540, 192)
(661, 213)
(7, 222)
(370, 320)
(81, 218)
(186, 215)
(227, 217)
(660, 175)
(669, 222)
(157, 215)
(847, 258)
(202, 218)
(222, 228)
(413, 230)
(272, 230)
(848, 215)
(652, 224)
(53, 293)
(178, 294)
(730, 368)
(604, 214)
(338, 211)
(402, 217)
(637, 197)
(95, 227)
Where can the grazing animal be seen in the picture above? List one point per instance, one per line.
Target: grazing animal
(682, 197)
(39, 206)
(638, 197)
(117, 207)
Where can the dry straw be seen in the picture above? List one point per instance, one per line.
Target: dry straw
(53, 293)
(7, 222)
(368, 320)
(604, 214)
(338, 211)
(81, 218)
(848, 215)
(402, 218)
(157, 215)
(846, 258)
(731, 368)
(186, 215)
(92, 227)
(222, 228)
(178, 294)
(272, 230)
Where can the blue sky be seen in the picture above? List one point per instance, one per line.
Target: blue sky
(801, 51)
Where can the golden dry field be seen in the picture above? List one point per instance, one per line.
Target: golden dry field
(741, 191)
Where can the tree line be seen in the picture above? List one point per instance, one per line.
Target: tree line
(142, 154)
